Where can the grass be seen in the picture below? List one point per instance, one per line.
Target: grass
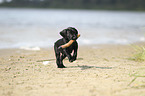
(140, 53)
(139, 56)
(140, 73)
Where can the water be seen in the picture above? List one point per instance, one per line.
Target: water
(41, 27)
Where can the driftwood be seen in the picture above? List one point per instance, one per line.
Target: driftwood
(69, 43)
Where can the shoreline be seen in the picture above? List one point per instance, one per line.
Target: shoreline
(8, 51)
(101, 70)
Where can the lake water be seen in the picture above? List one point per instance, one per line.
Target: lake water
(41, 27)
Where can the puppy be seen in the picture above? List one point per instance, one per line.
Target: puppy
(68, 34)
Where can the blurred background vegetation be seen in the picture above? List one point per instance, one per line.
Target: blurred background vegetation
(77, 4)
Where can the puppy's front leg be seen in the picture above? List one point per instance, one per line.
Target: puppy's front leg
(59, 61)
(75, 54)
(61, 58)
(66, 53)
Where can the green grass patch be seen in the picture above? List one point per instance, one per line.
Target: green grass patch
(140, 73)
(140, 53)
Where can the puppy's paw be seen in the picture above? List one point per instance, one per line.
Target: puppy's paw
(74, 58)
(61, 66)
(71, 60)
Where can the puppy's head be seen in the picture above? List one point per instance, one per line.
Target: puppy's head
(69, 34)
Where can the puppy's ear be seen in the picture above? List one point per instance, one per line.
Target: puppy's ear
(63, 33)
(73, 30)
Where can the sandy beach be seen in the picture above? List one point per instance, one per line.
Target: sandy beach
(101, 70)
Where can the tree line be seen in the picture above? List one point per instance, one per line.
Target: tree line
(78, 4)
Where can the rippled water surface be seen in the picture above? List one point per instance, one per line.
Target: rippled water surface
(41, 27)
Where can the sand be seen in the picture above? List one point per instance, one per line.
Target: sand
(101, 70)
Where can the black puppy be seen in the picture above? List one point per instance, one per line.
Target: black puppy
(68, 34)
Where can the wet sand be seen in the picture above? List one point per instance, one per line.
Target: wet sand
(101, 70)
